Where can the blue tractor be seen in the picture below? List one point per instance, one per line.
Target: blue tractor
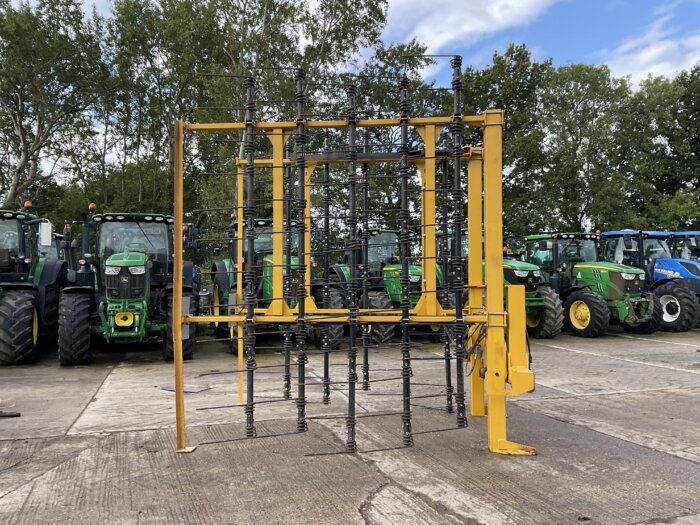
(675, 281)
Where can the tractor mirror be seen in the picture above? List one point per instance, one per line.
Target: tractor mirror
(217, 250)
(628, 242)
(45, 233)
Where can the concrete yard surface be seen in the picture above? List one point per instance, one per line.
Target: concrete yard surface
(615, 420)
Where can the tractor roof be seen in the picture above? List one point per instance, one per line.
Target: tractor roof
(19, 215)
(685, 234)
(645, 233)
(132, 217)
(561, 235)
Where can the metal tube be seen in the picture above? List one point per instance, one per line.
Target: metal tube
(444, 261)
(404, 247)
(365, 260)
(249, 210)
(287, 232)
(300, 149)
(457, 255)
(326, 346)
(351, 444)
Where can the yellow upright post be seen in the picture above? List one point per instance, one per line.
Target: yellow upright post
(429, 259)
(495, 352)
(177, 289)
(475, 272)
(278, 304)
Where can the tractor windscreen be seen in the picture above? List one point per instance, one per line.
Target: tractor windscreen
(539, 253)
(144, 237)
(656, 249)
(687, 248)
(9, 243)
(382, 247)
(264, 241)
(572, 251)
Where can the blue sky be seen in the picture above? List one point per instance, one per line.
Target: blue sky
(634, 37)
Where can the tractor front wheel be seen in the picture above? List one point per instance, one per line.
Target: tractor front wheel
(19, 328)
(546, 321)
(587, 314)
(74, 311)
(187, 344)
(379, 301)
(678, 308)
(652, 325)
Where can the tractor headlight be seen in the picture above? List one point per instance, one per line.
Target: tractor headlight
(112, 270)
(628, 276)
(537, 273)
(521, 273)
(137, 270)
(414, 278)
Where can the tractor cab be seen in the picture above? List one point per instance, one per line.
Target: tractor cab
(685, 245)
(133, 245)
(24, 239)
(382, 250)
(559, 254)
(650, 251)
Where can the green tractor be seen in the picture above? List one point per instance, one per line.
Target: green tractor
(122, 291)
(543, 307)
(224, 272)
(384, 279)
(31, 278)
(594, 292)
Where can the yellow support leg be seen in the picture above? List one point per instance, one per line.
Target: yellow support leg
(180, 436)
(496, 353)
(475, 274)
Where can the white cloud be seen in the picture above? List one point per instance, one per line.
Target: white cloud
(661, 50)
(446, 25)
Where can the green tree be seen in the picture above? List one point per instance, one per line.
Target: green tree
(50, 63)
(513, 82)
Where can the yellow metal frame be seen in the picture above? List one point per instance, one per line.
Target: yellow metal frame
(504, 355)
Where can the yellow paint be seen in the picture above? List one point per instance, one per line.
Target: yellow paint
(124, 319)
(35, 327)
(579, 315)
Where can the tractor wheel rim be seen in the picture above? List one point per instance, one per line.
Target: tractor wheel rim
(35, 327)
(532, 319)
(580, 315)
(670, 307)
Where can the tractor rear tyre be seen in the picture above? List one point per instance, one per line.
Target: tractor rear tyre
(334, 331)
(187, 344)
(652, 325)
(548, 320)
(19, 328)
(380, 333)
(586, 314)
(49, 328)
(678, 307)
(74, 311)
